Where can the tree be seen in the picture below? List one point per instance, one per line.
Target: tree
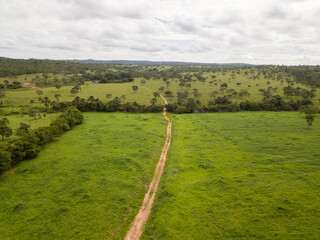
(57, 96)
(156, 94)
(224, 85)
(46, 102)
(5, 160)
(168, 83)
(221, 101)
(58, 86)
(168, 93)
(214, 94)
(74, 90)
(39, 92)
(309, 118)
(310, 113)
(153, 101)
(108, 95)
(135, 88)
(5, 130)
(143, 81)
(2, 95)
(123, 97)
(23, 129)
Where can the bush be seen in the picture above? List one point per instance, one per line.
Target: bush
(5, 160)
(29, 145)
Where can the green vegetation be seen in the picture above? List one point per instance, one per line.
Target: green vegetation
(30, 142)
(23, 96)
(45, 120)
(298, 85)
(239, 176)
(88, 184)
(228, 176)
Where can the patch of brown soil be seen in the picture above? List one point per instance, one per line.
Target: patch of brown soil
(141, 218)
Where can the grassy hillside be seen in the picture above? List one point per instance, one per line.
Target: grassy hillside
(239, 176)
(88, 184)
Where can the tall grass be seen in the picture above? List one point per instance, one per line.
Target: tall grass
(88, 184)
(240, 176)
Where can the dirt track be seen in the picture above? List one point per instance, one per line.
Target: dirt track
(141, 218)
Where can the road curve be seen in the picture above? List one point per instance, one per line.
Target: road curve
(141, 218)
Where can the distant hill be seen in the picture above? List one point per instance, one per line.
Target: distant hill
(144, 62)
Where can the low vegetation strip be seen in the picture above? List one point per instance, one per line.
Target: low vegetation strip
(247, 175)
(31, 141)
(88, 184)
(141, 218)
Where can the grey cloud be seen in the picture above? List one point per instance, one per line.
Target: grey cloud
(276, 13)
(279, 32)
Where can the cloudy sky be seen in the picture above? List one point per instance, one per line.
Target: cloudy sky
(223, 31)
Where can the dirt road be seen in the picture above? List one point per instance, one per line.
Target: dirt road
(141, 218)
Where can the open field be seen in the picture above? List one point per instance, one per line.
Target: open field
(245, 175)
(88, 184)
(15, 121)
(247, 83)
(243, 80)
(23, 96)
(239, 176)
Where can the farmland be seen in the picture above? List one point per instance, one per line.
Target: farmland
(87, 184)
(248, 171)
(208, 89)
(160, 120)
(23, 96)
(239, 176)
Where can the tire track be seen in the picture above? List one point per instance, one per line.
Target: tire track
(141, 218)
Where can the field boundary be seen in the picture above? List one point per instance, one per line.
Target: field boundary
(141, 218)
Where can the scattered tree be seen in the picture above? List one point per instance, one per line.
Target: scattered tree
(23, 129)
(310, 113)
(58, 86)
(2, 95)
(57, 95)
(5, 130)
(135, 88)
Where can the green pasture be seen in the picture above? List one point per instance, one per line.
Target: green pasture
(15, 120)
(87, 184)
(247, 83)
(247, 175)
(23, 96)
(144, 93)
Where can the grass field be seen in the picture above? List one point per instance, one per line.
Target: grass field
(88, 184)
(23, 96)
(15, 120)
(239, 176)
(144, 94)
(246, 80)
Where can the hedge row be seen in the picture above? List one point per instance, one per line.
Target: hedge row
(29, 145)
(274, 103)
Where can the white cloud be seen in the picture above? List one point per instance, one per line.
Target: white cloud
(253, 31)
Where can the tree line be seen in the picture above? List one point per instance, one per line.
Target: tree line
(29, 144)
